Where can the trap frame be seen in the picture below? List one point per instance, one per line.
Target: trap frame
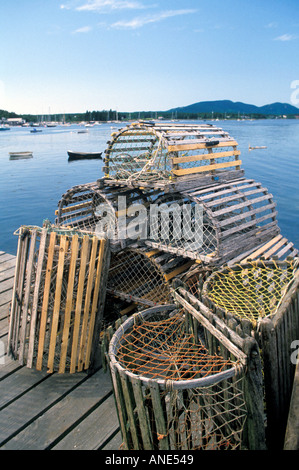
(222, 221)
(181, 384)
(257, 299)
(165, 155)
(58, 297)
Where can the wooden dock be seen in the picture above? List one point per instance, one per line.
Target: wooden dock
(41, 411)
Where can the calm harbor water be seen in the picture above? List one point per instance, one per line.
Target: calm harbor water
(30, 189)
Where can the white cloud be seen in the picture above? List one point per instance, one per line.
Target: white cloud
(286, 37)
(141, 21)
(84, 29)
(108, 5)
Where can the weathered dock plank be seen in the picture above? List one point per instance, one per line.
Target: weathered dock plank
(76, 393)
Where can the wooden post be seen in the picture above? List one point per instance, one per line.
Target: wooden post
(253, 389)
(271, 378)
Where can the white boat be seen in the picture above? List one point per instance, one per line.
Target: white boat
(20, 155)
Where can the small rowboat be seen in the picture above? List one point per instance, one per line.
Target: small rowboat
(84, 155)
(254, 148)
(20, 155)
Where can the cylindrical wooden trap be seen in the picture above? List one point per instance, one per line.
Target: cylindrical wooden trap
(106, 211)
(177, 387)
(251, 291)
(213, 224)
(258, 299)
(148, 153)
(144, 276)
(58, 296)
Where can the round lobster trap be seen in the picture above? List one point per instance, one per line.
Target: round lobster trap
(150, 152)
(107, 211)
(251, 291)
(172, 392)
(57, 301)
(255, 299)
(214, 224)
(144, 276)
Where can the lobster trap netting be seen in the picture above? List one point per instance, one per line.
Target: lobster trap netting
(54, 311)
(253, 290)
(146, 151)
(213, 224)
(180, 225)
(185, 396)
(137, 154)
(107, 211)
(144, 276)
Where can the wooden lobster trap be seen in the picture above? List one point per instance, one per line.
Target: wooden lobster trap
(257, 299)
(58, 297)
(167, 155)
(180, 384)
(143, 276)
(214, 224)
(104, 210)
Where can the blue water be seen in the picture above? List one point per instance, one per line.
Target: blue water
(30, 189)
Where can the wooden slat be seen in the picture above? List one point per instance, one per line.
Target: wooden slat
(56, 309)
(249, 202)
(199, 145)
(68, 306)
(19, 291)
(44, 312)
(246, 214)
(75, 207)
(27, 297)
(41, 254)
(206, 168)
(261, 250)
(178, 270)
(274, 248)
(194, 158)
(95, 302)
(87, 303)
(79, 300)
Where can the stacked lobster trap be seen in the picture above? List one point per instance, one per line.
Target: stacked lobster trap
(58, 299)
(184, 230)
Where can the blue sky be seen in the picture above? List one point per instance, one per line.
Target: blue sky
(77, 55)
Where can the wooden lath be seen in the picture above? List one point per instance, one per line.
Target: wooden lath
(57, 303)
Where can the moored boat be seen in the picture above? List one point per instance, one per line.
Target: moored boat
(20, 155)
(84, 155)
